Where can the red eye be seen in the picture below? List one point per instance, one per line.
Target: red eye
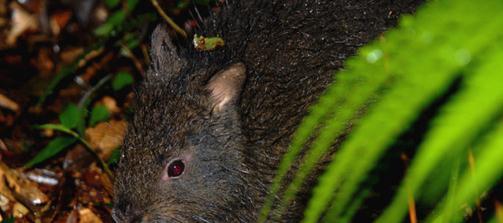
(175, 168)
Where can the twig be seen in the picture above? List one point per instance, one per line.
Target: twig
(135, 60)
(144, 50)
(90, 149)
(83, 101)
(168, 19)
(410, 197)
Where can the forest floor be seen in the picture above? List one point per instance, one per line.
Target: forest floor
(67, 68)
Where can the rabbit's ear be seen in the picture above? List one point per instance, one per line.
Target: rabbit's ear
(166, 61)
(225, 86)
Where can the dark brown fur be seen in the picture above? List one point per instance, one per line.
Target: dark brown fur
(290, 50)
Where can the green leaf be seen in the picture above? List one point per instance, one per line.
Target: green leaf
(498, 217)
(76, 137)
(54, 147)
(459, 124)
(58, 127)
(121, 80)
(416, 82)
(487, 171)
(112, 3)
(64, 72)
(98, 114)
(71, 116)
(349, 105)
(131, 4)
(182, 4)
(131, 40)
(111, 24)
(202, 43)
(114, 158)
(336, 94)
(9, 220)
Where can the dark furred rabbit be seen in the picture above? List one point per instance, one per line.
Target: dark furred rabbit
(210, 127)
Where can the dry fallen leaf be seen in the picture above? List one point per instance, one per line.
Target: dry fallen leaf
(21, 22)
(106, 136)
(5, 102)
(87, 216)
(70, 54)
(3, 146)
(4, 203)
(59, 21)
(110, 104)
(19, 210)
(24, 193)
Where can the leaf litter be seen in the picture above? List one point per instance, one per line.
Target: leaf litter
(67, 70)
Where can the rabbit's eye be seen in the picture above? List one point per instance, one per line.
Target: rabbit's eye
(176, 168)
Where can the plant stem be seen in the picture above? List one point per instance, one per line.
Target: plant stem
(103, 164)
(168, 19)
(86, 144)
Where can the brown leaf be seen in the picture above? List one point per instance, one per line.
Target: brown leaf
(71, 54)
(5, 102)
(88, 216)
(21, 22)
(106, 136)
(17, 187)
(19, 210)
(59, 21)
(4, 203)
(110, 104)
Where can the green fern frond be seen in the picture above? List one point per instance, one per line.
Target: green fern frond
(487, 171)
(350, 91)
(350, 99)
(423, 59)
(456, 127)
